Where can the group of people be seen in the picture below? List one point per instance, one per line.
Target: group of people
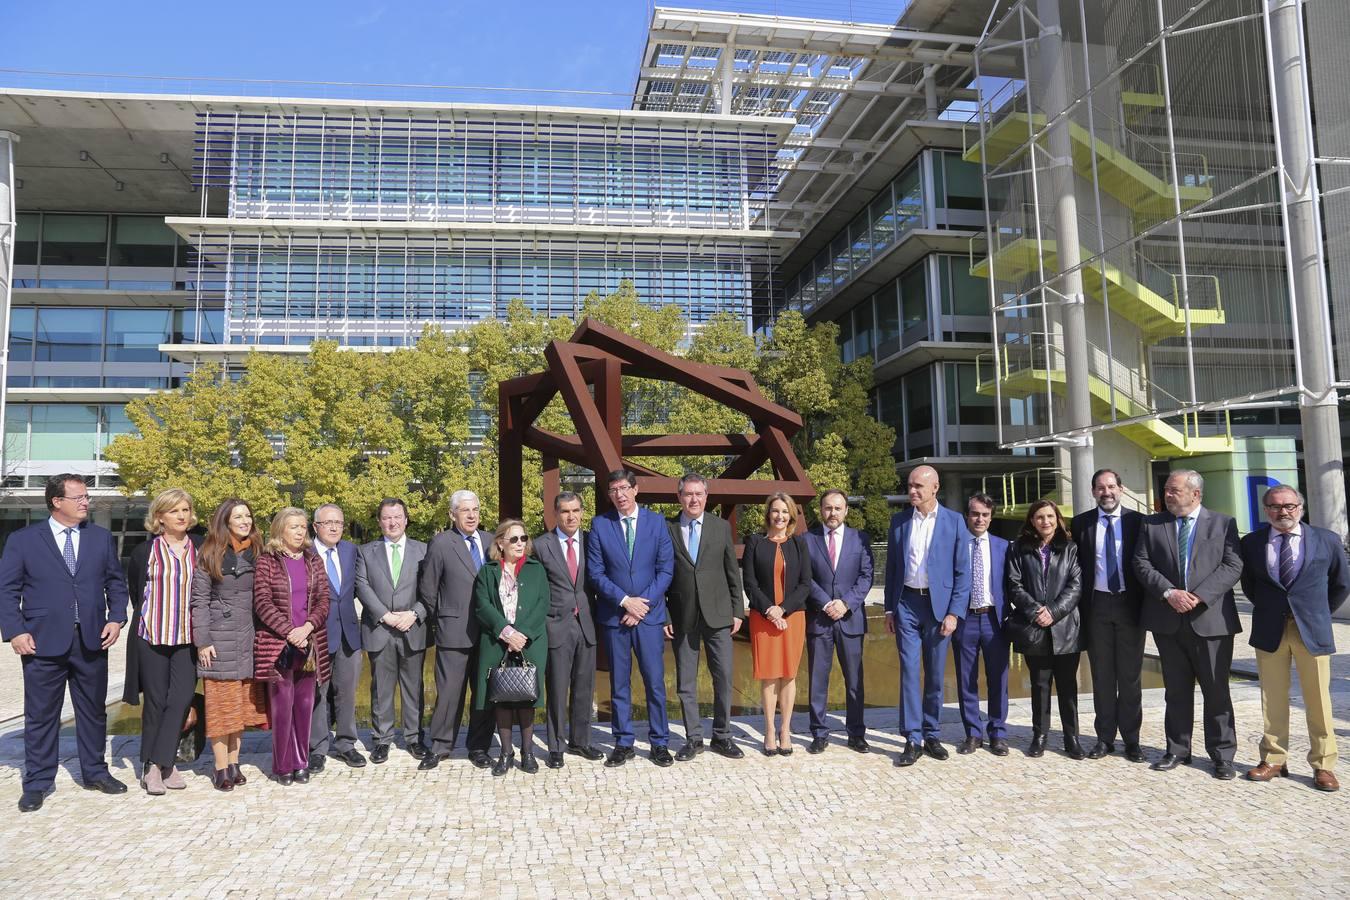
(276, 627)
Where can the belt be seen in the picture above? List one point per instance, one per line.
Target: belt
(1108, 593)
(983, 610)
(922, 592)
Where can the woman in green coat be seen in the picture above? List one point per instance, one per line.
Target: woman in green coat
(510, 599)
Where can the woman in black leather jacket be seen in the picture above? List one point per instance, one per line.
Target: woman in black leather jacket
(1043, 584)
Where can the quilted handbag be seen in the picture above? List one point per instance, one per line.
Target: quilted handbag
(516, 680)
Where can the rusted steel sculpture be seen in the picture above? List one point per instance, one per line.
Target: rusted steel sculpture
(587, 370)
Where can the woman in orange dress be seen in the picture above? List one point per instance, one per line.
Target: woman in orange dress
(776, 569)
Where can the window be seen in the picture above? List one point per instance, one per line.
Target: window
(21, 320)
(862, 329)
(958, 183)
(962, 293)
(888, 319)
(134, 335)
(69, 335)
(914, 298)
(74, 240)
(909, 199)
(965, 405)
(26, 239)
(114, 422)
(919, 402)
(142, 241)
(64, 431)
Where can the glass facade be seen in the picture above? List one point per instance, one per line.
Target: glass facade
(97, 251)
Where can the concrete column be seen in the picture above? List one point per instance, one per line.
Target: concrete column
(728, 67)
(930, 93)
(1322, 464)
(1053, 97)
(8, 224)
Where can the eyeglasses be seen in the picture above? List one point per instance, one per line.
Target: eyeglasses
(1283, 507)
(326, 523)
(83, 498)
(620, 489)
(516, 539)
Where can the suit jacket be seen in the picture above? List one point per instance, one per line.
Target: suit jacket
(1083, 527)
(948, 562)
(1322, 584)
(613, 576)
(1215, 566)
(38, 595)
(712, 585)
(758, 564)
(564, 595)
(343, 624)
(1057, 588)
(379, 595)
(998, 570)
(446, 588)
(850, 580)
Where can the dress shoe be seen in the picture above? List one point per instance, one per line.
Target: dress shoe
(221, 780)
(908, 756)
(620, 756)
(1037, 748)
(173, 779)
(1266, 772)
(528, 764)
(380, 754)
(1074, 750)
(236, 775)
(431, 761)
(661, 756)
(858, 745)
(316, 763)
(286, 780)
(31, 801)
(970, 745)
(1170, 761)
(784, 749)
(818, 745)
(690, 750)
(727, 747)
(1325, 780)
(998, 746)
(301, 776)
(591, 753)
(1100, 749)
(106, 785)
(503, 764)
(480, 759)
(1134, 753)
(933, 747)
(1223, 770)
(555, 761)
(351, 757)
(152, 780)
(767, 750)
(418, 750)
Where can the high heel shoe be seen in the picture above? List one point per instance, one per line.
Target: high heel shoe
(768, 751)
(503, 764)
(221, 780)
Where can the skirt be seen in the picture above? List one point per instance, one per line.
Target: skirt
(777, 654)
(233, 706)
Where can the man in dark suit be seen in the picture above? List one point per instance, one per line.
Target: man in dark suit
(1295, 575)
(570, 672)
(394, 628)
(335, 704)
(1106, 536)
(836, 618)
(630, 562)
(63, 602)
(980, 633)
(453, 560)
(1187, 562)
(707, 606)
(927, 595)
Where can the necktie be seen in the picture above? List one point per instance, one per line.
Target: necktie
(833, 547)
(331, 566)
(1183, 544)
(693, 539)
(396, 565)
(69, 554)
(1286, 560)
(628, 534)
(1112, 561)
(976, 575)
(474, 552)
(572, 559)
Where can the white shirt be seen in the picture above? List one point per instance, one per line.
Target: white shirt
(1273, 551)
(402, 545)
(838, 544)
(684, 530)
(476, 542)
(981, 596)
(920, 536)
(323, 550)
(58, 532)
(1100, 582)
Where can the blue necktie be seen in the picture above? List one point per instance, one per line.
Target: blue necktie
(333, 578)
(68, 553)
(473, 552)
(1286, 560)
(1112, 561)
(693, 539)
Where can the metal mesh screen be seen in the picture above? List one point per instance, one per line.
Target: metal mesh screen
(1328, 31)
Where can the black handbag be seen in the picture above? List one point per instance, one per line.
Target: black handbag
(515, 680)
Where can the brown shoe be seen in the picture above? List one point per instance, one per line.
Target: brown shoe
(1325, 780)
(1266, 772)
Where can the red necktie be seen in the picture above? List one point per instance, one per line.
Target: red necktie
(834, 552)
(572, 564)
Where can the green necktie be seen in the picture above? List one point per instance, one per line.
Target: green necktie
(397, 565)
(628, 534)
(1183, 544)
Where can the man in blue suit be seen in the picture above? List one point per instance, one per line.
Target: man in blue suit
(980, 633)
(630, 561)
(841, 576)
(927, 595)
(63, 602)
(1296, 576)
(336, 701)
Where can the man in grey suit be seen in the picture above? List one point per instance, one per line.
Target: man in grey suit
(1187, 561)
(453, 560)
(393, 628)
(571, 634)
(706, 606)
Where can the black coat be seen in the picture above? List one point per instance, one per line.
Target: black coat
(757, 568)
(1029, 590)
(138, 569)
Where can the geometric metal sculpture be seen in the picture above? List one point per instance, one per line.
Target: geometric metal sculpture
(587, 372)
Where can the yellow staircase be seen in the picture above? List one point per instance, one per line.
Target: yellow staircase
(1119, 175)
(1016, 491)
(1157, 316)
